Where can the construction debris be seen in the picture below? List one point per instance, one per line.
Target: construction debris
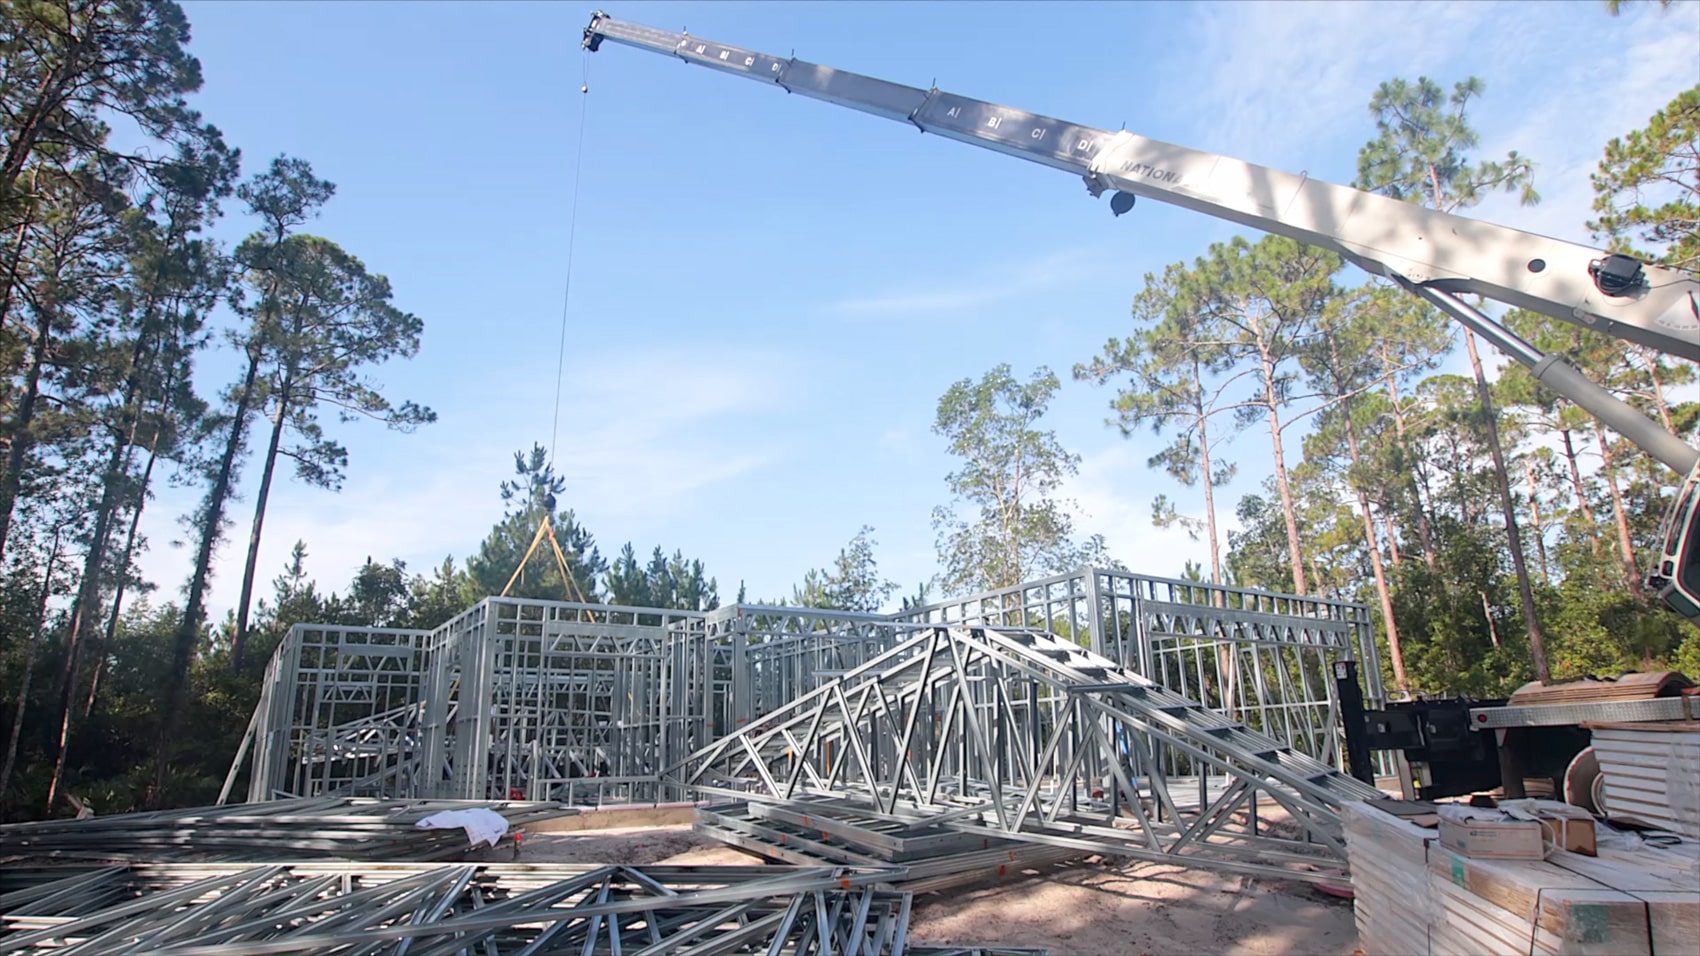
(352, 828)
(233, 910)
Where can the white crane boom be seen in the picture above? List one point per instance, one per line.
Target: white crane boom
(1435, 255)
(1384, 236)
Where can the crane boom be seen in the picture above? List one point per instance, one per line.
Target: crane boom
(1384, 236)
(1435, 255)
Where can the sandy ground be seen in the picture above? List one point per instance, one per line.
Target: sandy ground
(1086, 909)
(1079, 909)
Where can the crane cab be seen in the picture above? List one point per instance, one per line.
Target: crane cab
(1676, 576)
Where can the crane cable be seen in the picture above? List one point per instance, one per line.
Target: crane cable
(572, 240)
(545, 528)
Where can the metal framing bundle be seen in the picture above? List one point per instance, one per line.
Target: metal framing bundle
(1021, 735)
(424, 909)
(347, 827)
(589, 703)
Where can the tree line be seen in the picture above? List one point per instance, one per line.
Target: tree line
(1498, 529)
(114, 296)
(112, 291)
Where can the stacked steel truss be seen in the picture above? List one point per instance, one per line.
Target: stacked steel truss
(236, 910)
(589, 703)
(1018, 734)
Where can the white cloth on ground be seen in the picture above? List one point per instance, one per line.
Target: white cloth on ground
(481, 825)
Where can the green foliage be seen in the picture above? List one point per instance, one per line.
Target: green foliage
(1459, 620)
(1423, 154)
(1171, 372)
(853, 583)
(317, 319)
(71, 66)
(665, 582)
(1221, 339)
(108, 281)
(1421, 151)
(1009, 470)
(527, 498)
(1258, 549)
(1647, 187)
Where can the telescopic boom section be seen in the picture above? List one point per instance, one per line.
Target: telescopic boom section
(1435, 255)
(1610, 294)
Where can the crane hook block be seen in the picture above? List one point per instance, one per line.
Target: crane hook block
(1122, 202)
(593, 37)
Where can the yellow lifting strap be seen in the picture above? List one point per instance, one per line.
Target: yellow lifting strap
(546, 529)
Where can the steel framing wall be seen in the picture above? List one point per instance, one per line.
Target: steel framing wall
(338, 714)
(589, 703)
(534, 697)
(1259, 657)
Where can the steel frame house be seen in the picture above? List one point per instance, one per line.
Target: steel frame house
(590, 703)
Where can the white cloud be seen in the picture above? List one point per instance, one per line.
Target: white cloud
(1566, 131)
(1279, 77)
(1114, 490)
(1002, 282)
(641, 433)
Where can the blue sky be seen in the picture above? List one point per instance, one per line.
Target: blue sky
(770, 293)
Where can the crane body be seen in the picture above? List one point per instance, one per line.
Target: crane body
(1438, 256)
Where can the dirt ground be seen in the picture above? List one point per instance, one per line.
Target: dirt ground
(1077, 909)
(1148, 909)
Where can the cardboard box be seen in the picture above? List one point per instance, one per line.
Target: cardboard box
(1571, 833)
(1495, 839)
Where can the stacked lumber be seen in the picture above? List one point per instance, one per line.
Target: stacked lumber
(1666, 878)
(1415, 896)
(1594, 690)
(1529, 906)
(1651, 772)
(1390, 885)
